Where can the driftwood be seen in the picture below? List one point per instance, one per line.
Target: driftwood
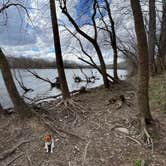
(74, 92)
(52, 84)
(89, 79)
(77, 78)
(8, 152)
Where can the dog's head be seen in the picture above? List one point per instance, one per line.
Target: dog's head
(47, 138)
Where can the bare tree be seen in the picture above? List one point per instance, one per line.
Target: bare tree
(152, 36)
(57, 45)
(91, 62)
(18, 102)
(93, 40)
(143, 71)
(17, 5)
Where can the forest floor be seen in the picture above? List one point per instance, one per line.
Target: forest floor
(94, 131)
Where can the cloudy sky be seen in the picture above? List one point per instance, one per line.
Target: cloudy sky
(21, 36)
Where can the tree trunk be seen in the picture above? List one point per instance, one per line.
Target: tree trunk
(1, 108)
(113, 41)
(102, 64)
(143, 65)
(59, 60)
(152, 36)
(162, 49)
(18, 102)
(92, 41)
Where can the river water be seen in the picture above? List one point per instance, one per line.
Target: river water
(42, 89)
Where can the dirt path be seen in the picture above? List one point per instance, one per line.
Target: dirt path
(106, 134)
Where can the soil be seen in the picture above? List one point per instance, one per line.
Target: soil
(94, 132)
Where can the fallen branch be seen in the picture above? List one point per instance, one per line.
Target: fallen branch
(55, 129)
(52, 84)
(18, 156)
(74, 92)
(133, 139)
(8, 152)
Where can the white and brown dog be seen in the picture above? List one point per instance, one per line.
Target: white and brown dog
(49, 143)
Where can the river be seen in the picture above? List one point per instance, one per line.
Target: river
(42, 89)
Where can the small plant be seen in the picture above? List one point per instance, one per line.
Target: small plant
(137, 162)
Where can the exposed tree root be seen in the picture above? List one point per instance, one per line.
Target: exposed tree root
(59, 130)
(8, 152)
(147, 138)
(50, 124)
(72, 106)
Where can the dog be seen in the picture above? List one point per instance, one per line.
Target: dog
(49, 143)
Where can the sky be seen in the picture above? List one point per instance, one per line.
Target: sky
(21, 36)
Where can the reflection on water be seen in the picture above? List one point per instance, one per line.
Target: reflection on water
(42, 88)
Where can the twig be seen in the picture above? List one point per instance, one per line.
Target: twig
(29, 160)
(85, 153)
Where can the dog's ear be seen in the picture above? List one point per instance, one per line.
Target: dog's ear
(45, 138)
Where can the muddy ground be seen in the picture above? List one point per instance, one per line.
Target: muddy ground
(92, 132)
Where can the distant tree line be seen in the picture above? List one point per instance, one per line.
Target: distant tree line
(38, 63)
(26, 62)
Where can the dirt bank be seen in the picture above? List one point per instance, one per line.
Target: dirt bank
(92, 132)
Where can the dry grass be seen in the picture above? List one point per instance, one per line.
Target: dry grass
(157, 92)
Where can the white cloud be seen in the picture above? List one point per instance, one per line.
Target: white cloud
(20, 38)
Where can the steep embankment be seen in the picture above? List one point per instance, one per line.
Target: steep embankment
(96, 131)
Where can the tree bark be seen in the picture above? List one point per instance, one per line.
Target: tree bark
(57, 45)
(1, 108)
(143, 65)
(102, 64)
(162, 47)
(18, 102)
(152, 36)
